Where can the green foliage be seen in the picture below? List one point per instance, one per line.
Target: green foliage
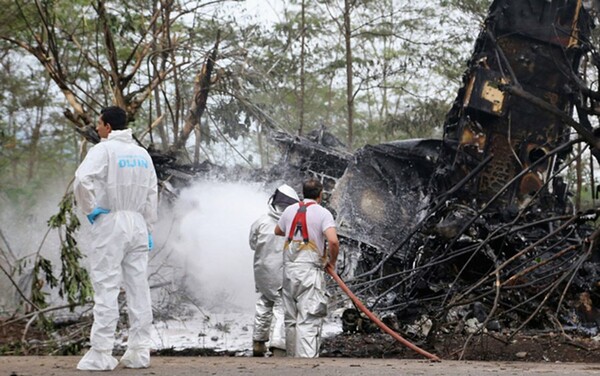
(14, 348)
(397, 45)
(38, 296)
(232, 119)
(35, 143)
(75, 284)
(420, 120)
(70, 347)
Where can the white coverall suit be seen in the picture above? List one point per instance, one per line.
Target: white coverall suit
(268, 276)
(304, 290)
(119, 176)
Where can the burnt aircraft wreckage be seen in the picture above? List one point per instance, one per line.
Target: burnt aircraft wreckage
(479, 224)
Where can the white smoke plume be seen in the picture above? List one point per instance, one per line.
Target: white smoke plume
(207, 236)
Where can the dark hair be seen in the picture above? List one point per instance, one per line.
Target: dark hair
(312, 188)
(115, 116)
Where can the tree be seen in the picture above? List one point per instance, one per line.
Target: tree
(358, 67)
(100, 56)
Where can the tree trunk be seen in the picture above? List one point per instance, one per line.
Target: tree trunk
(261, 148)
(302, 78)
(201, 89)
(162, 129)
(35, 139)
(578, 167)
(349, 74)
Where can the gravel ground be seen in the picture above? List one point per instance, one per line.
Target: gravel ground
(229, 366)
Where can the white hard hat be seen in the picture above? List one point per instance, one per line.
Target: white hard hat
(288, 191)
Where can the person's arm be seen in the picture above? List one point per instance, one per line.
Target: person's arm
(91, 169)
(151, 208)
(333, 245)
(279, 231)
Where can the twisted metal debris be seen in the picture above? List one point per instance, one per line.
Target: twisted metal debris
(482, 223)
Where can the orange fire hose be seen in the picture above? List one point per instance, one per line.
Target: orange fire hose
(373, 318)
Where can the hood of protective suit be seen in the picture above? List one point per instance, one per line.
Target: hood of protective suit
(283, 197)
(125, 135)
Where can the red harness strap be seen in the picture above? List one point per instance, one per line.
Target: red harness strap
(299, 223)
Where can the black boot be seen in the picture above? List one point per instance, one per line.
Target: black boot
(259, 348)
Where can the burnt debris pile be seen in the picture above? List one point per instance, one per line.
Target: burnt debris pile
(480, 230)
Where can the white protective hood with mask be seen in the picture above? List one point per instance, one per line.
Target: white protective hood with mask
(268, 247)
(268, 268)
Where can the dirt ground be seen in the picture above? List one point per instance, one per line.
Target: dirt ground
(345, 354)
(548, 347)
(235, 366)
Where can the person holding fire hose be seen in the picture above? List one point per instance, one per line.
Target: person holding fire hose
(268, 274)
(307, 225)
(116, 188)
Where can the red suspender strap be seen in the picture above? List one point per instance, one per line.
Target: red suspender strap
(299, 222)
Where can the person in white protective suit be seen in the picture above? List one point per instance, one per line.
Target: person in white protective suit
(307, 225)
(116, 188)
(268, 275)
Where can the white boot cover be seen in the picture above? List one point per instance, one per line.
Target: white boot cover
(136, 358)
(95, 360)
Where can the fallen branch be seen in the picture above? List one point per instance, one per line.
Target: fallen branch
(38, 312)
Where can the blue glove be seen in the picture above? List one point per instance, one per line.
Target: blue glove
(96, 212)
(150, 241)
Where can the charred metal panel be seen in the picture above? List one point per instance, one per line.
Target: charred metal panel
(533, 44)
(433, 227)
(483, 94)
(319, 156)
(383, 191)
(553, 21)
(481, 216)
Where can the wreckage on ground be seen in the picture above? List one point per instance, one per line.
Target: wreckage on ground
(480, 224)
